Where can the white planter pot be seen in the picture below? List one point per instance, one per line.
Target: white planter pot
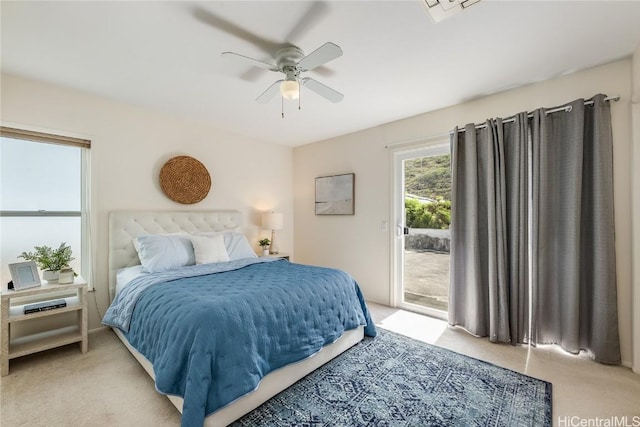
(50, 276)
(65, 276)
(265, 252)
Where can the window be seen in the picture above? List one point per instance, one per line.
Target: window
(44, 182)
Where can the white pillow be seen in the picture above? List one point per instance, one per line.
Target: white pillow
(237, 245)
(209, 249)
(159, 253)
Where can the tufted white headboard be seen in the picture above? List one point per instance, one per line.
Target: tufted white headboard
(124, 225)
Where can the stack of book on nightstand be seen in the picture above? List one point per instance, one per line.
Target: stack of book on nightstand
(44, 306)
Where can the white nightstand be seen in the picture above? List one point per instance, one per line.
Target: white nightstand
(9, 314)
(278, 255)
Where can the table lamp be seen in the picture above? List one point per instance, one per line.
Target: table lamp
(273, 221)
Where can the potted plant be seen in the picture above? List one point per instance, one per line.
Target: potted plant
(49, 260)
(264, 243)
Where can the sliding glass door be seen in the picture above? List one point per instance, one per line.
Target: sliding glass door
(422, 213)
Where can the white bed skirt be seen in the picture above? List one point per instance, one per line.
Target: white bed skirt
(270, 385)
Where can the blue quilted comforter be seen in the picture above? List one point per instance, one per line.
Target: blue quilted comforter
(212, 332)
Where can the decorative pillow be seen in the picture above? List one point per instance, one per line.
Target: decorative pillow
(209, 249)
(237, 245)
(160, 252)
(136, 242)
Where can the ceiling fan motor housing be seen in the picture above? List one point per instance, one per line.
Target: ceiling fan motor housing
(288, 57)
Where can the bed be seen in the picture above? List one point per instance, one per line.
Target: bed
(189, 325)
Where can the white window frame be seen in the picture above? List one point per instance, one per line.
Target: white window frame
(85, 190)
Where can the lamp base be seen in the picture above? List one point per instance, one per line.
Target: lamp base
(273, 249)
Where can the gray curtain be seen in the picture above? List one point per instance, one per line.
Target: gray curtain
(517, 139)
(573, 231)
(562, 162)
(488, 275)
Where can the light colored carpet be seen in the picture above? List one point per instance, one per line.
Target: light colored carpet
(107, 386)
(63, 387)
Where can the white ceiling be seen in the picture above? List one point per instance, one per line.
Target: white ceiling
(397, 63)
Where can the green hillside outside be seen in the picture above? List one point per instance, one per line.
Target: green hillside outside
(428, 178)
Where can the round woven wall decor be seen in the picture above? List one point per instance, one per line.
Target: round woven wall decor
(185, 180)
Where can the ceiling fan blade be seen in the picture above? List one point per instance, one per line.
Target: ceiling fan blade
(322, 90)
(314, 14)
(325, 53)
(268, 94)
(252, 61)
(211, 19)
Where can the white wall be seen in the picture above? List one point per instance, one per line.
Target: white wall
(635, 160)
(130, 145)
(358, 245)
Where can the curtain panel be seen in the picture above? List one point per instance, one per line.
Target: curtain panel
(489, 267)
(535, 194)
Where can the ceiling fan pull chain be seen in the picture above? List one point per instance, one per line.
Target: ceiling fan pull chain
(299, 96)
(282, 106)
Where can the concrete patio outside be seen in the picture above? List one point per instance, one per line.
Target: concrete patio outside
(426, 278)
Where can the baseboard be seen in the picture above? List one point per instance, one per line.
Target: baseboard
(98, 329)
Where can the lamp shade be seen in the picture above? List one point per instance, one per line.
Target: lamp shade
(272, 221)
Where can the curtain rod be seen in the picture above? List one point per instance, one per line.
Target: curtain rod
(419, 142)
(565, 108)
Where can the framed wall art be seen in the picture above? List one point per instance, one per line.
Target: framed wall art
(335, 194)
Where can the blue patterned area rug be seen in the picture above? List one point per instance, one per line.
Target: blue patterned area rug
(393, 380)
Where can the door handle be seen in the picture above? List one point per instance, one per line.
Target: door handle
(401, 231)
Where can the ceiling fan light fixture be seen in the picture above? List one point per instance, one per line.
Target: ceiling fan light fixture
(290, 89)
(441, 9)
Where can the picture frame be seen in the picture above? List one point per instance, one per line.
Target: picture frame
(335, 194)
(24, 275)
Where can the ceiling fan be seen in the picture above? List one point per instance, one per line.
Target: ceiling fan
(292, 62)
